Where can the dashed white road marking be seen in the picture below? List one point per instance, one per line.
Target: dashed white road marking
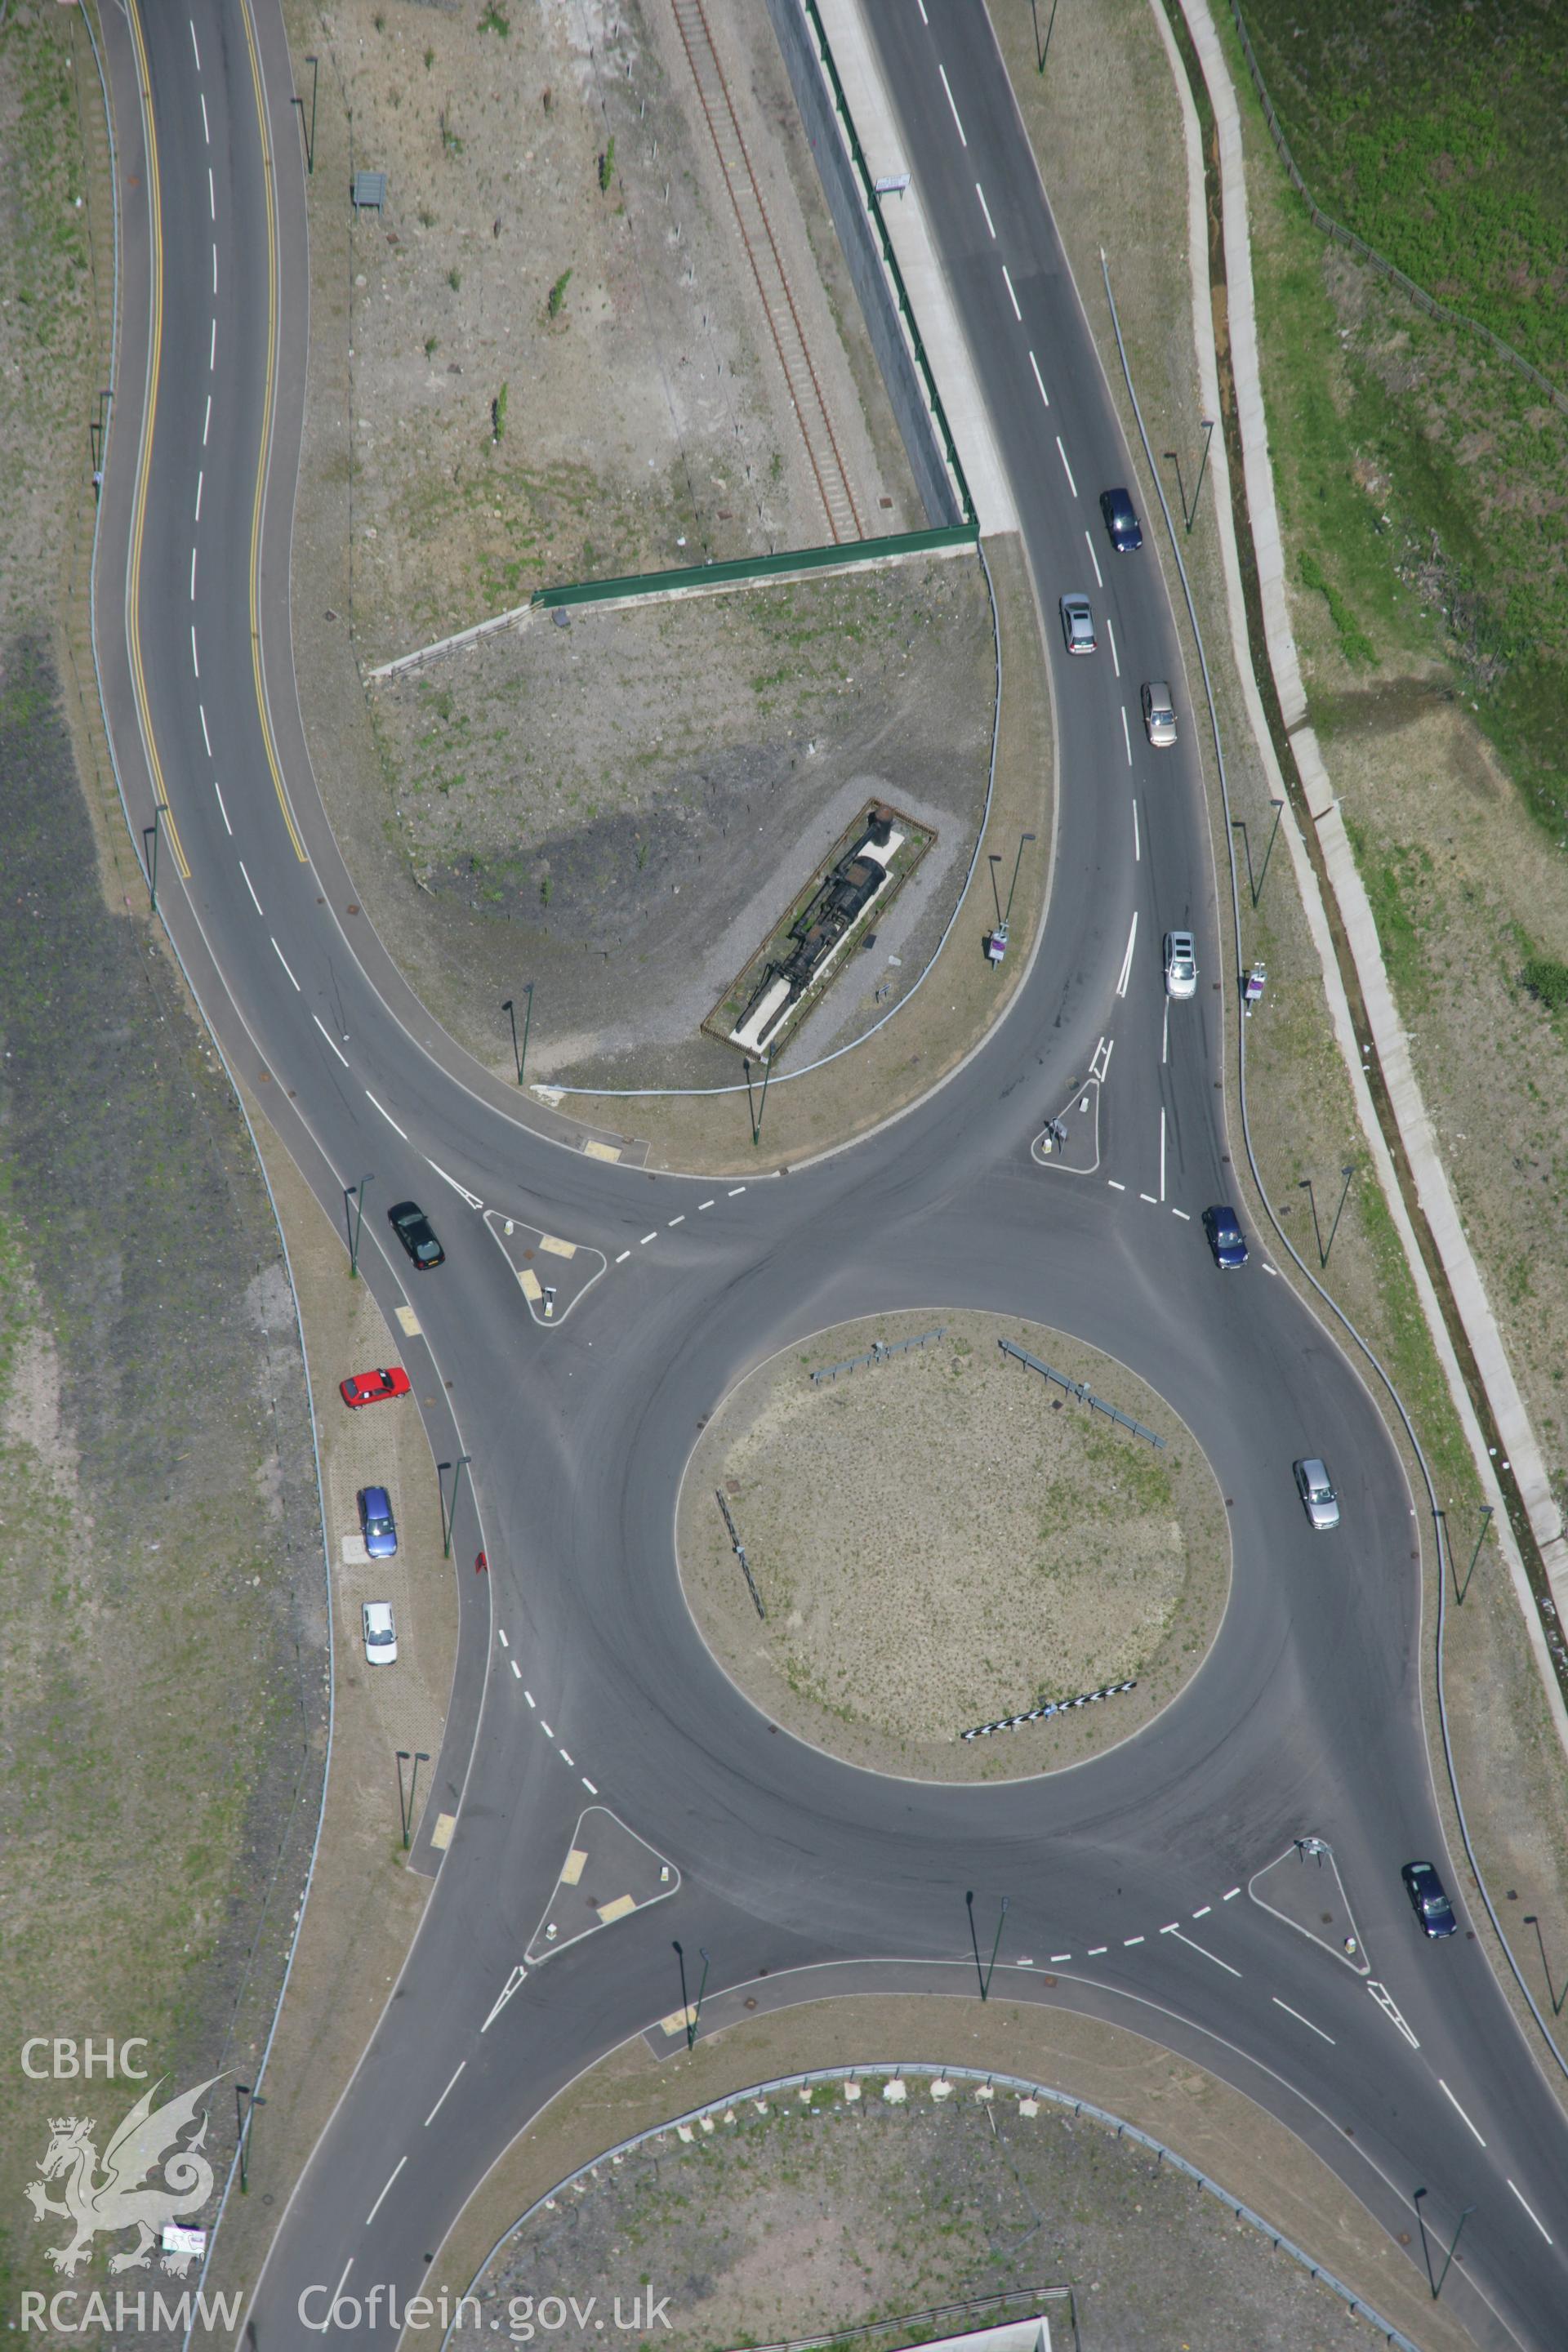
(735, 1191)
(437, 2108)
(206, 738)
(647, 1238)
(1459, 2110)
(589, 1786)
(200, 478)
(1186, 1217)
(208, 417)
(676, 1221)
(703, 1204)
(562, 1752)
(1126, 731)
(1039, 380)
(344, 1060)
(1099, 582)
(517, 1670)
(192, 22)
(500, 1637)
(1007, 283)
(948, 86)
(1114, 1185)
(1535, 2218)
(1127, 958)
(207, 132)
(545, 1729)
(1303, 2021)
(386, 1115)
(986, 210)
(222, 811)
(250, 886)
(1269, 1269)
(1066, 469)
(382, 2198)
(192, 576)
(623, 1257)
(282, 960)
(1111, 632)
(530, 1697)
(215, 269)
(195, 663)
(212, 200)
(1150, 1198)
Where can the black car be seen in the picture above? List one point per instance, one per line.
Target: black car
(1226, 1237)
(1429, 1899)
(1121, 521)
(413, 1228)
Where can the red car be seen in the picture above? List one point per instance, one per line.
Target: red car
(371, 1388)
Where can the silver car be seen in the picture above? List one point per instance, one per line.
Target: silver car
(1077, 625)
(1316, 1489)
(379, 1635)
(1159, 715)
(1181, 964)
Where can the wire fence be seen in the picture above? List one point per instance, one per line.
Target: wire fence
(1386, 268)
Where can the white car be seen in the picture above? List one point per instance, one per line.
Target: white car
(379, 1635)
(1181, 964)
(1159, 714)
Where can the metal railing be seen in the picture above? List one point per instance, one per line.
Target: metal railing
(756, 567)
(738, 1549)
(1077, 1388)
(881, 1353)
(1342, 236)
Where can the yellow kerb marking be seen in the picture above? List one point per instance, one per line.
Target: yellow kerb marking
(600, 1151)
(530, 1283)
(574, 1870)
(408, 1322)
(441, 1835)
(616, 1910)
(557, 1248)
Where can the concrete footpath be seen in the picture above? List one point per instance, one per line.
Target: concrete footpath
(1522, 1457)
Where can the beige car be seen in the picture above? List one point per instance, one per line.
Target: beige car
(1159, 715)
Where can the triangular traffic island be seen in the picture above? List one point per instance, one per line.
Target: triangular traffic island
(609, 1872)
(1069, 1140)
(550, 1272)
(1303, 1887)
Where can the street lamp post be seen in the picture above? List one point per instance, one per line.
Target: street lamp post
(984, 1971)
(1436, 2284)
(448, 1521)
(691, 2010)
(1007, 910)
(1238, 824)
(1556, 1998)
(1305, 1185)
(242, 2128)
(519, 1053)
(1173, 457)
(356, 1193)
(1488, 1515)
(159, 811)
(406, 1803)
(756, 1106)
(1042, 54)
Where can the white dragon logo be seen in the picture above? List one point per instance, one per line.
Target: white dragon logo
(123, 2198)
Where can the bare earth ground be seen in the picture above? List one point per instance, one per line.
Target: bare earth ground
(647, 424)
(572, 808)
(820, 2276)
(162, 1619)
(944, 1539)
(1303, 1121)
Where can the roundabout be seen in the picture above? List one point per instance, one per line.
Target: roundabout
(943, 1538)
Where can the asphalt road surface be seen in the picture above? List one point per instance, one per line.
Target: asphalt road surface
(1127, 1877)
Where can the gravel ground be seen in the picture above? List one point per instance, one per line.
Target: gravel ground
(812, 2218)
(1005, 1545)
(568, 809)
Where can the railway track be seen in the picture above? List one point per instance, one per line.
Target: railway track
(801, 378)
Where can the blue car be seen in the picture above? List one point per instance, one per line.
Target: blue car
(1226, 1237)
(376, 1523)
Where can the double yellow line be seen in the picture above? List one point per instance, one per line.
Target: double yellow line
(144, 467)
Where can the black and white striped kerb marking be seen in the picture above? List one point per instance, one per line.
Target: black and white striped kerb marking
(1051, 1706)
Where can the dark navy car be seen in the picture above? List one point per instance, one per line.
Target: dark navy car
(1121, 521)
(414, 1231)
(1226, 1237)
(1429, 1899)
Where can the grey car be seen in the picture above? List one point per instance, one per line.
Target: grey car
(1077, 625)
(1181, 964)
(1159, 714)
(1316, 1489)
